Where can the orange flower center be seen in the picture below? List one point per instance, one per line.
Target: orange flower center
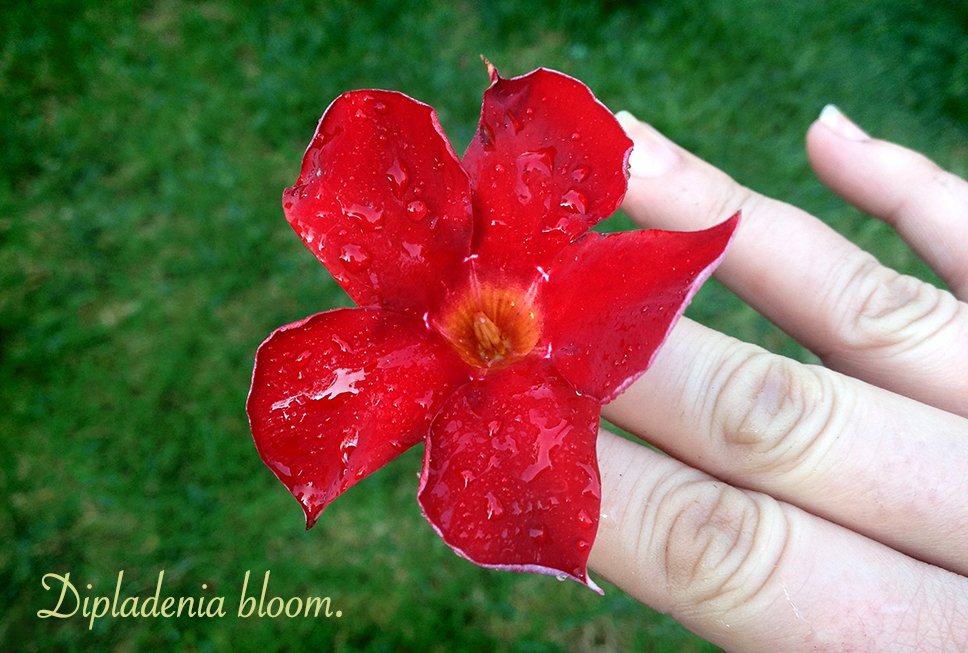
(491, 326)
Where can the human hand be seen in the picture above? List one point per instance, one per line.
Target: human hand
(806, 507)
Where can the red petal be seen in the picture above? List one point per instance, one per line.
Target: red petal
(383, 201)
(615, 298)
(510, 478)
(548, 162)
(340, 394)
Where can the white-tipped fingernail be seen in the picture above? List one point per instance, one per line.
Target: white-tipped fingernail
(841, 125)
(653, 154)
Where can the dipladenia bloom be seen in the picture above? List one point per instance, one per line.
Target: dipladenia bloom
(492, 324)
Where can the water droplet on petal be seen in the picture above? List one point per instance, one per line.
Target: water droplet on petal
(380, 108)
(585, 519)
(516, 124)
(414, 250)
(580, 173)
(354, 257)
(398, 177)
(582, 545)
(370, 219)
(326, 136)
(303, 358)
(416, 210)
(494, 507)
(575, 136)
(533, 168)
(561, 577)
(348, 446)
(574, 201)
(498, 168)
(359, 116)
(468, 476)
(493, 427)
(539, 534)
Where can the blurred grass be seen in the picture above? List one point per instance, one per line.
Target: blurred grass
(144, 256)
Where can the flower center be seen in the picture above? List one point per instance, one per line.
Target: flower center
(491, 326)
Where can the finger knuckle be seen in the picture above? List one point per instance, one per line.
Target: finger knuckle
(720, 544)
(776, 416)
(732, 197)
(883, 310)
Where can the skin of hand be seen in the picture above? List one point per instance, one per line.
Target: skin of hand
(802, 507)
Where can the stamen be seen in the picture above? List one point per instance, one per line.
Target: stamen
(491, 342)
(491, 325)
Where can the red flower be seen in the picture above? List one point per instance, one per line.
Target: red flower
(492, 326)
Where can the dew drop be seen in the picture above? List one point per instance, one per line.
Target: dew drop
(582, 545)
(574, 201)
(354, 257)
(414, 250)
(359, 116)
(361, 472)
(585, 519)
(468, 476)
(493, 427)
(561, 578)
(326, 136)
(370, 219)
(417, 210)
(516, 124)
(580, 173)
(303, 358)
(349, 442)
(398, 177)
(539, 534)
(498, 168)
(348, 446)
(575, 136)
(494, 507)
(539, 160)
(532, 168)
(380, 108)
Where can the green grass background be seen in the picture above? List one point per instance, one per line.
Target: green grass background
(144, 256)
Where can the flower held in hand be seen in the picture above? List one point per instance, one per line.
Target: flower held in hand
(492, 325)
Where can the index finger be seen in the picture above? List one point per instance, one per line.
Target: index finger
(860, 317)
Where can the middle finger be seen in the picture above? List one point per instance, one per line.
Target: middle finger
(879, 463)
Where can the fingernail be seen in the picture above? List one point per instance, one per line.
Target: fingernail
(653, 154)
(841, 124)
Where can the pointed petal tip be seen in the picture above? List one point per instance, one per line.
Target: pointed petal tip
(583, 579)
(310, 517)
(491, 70)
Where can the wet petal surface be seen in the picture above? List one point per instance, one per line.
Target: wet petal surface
(547, 163)
(383, 201)
(616, 298)
(510, 475)
(338, 395)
